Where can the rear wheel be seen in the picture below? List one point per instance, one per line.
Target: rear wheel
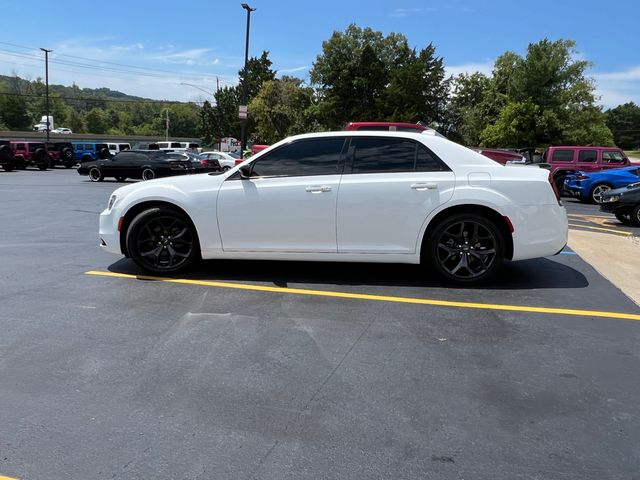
(225, 168)
(161, 240)
(466, 248)
(8, 167)
(148, 174)
(95, 175)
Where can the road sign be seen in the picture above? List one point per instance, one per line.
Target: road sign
(242, 112)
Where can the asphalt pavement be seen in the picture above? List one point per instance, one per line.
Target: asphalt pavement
(276, 370)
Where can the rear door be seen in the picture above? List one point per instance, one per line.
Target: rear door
(588, 160)
(389, 187)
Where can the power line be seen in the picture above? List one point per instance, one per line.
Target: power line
(87, 99)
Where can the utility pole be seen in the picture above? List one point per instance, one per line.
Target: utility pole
(46, 79)
(243, 108)
(166, 126)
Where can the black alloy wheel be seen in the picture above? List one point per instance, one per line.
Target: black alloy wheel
(635, 216)
(466, 248)
(67, 155)
(95, 175)
(161, 240)
(148, 174)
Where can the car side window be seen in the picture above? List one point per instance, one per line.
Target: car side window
(587, 156)
(563, 156)
(427, 161)
(612, 157)
(380, 154)
(319, 156)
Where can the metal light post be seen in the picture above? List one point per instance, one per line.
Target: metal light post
(243, 108)
(46, 79)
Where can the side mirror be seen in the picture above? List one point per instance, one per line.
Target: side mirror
(245, 172)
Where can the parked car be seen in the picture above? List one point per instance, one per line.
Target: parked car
(118, 147)
(6, 155)
(60, 153)
(225, 160)
(624, 203)
(89, 151)
(200, 163)
(589, 187)
(140, 164)
(62, 131)
(571, 159)
(30, 154)
(499, 155)
(345, 196)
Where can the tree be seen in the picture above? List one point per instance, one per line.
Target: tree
(516, 126)
(96, 121)
(13, 111)
(363, 75)
(258, 71)
(464, 120)
(281, 109)
(624, 122)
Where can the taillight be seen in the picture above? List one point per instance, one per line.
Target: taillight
(581, 177)
(555, 188)
(239, 161)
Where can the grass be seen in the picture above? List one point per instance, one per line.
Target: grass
(633, 153)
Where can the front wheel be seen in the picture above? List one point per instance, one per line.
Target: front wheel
(148, 174)
(635, 216)
(466, 248)
(598, 191)
(225, 168)
(161, 240)
(95, 175)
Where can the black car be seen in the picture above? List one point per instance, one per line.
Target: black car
(200, 164)
(144, 164)
(6, 155)
(624, 203)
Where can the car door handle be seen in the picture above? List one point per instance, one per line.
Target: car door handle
(424, 186)
(318, 189)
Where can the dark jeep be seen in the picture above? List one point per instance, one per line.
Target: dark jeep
(61, 153)
(6, 155)
(30, 154)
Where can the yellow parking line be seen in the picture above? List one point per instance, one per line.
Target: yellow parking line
(619, 232)
(7, 478)
(381, 298)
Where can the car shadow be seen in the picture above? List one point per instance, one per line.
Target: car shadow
(523, 275)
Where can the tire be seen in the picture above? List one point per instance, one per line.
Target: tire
(42, 158)
(8, 167)
(466, 249)
(162, 241)
(225, 168)
(595, 194)
(559, 181)
(95, 174)
(635, 216)
(148, 174)
(67, 157)
(6, 154)
(104, 153)
(120, 179)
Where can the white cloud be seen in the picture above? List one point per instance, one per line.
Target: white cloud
(293, 70)
(405, 12)
(618, 87)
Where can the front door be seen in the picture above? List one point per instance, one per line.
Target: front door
(288, 204)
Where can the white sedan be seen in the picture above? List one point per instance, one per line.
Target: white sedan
(226, 161)
(344, 196)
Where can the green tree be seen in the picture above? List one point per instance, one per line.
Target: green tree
(257, 72)
(13, 111)
(515, 127)
(464, 120)
(280, 109)
(624, 122)
(96, 121)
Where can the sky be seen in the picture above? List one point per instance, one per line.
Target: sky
(183, 50)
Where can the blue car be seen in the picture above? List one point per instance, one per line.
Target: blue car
(89, 151)
(589, 186)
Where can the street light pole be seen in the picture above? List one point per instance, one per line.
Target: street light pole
(46, 79)
(243, 111)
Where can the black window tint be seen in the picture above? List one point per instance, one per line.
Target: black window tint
(301, 158)
(374, 127)
(428, 162)
(587, 156)
(562, 156)
(176, 145)
(376, 155)
(19, 146)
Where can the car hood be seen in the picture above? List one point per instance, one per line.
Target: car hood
(164, 186)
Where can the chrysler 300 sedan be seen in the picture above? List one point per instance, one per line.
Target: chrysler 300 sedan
(393, 197)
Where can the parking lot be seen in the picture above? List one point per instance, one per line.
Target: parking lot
(302, 370)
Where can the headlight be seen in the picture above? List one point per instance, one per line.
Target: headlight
(612, 198)
(112, 201)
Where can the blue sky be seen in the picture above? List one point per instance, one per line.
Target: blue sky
(154, 46)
